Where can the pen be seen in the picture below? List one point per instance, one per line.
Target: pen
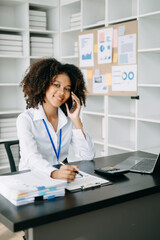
(74, 171)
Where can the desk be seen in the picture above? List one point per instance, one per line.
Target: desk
(129, 209)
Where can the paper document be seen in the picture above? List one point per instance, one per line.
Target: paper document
(105, 45)
(86, 50)
(24, 187)
(127, 49)
(124, 78)
(86, 182)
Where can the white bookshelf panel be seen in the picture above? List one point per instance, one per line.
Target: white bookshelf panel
(122, 133)
(70, 60)
(93, 12)
(113, 151)
(148, 68)
(148, 103)
(68, 41)
(47, 2)
(95, 132)
(12, 70)
(68, 12)
(11, 99)
(148, 136)
(121, 9)
(99, 150)
(147, 6)
(94, 104)
(123, 106)
(148, 32)
(11, 12)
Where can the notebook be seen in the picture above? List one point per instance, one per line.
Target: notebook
(132, 164)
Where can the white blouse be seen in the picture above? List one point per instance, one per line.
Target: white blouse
(36, 149)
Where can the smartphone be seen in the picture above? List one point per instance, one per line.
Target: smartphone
(73, 106)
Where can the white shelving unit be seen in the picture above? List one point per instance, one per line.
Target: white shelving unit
(15, 21)
(127, 124)
(117, 124)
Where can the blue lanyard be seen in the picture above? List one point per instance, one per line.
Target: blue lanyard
(60, 140)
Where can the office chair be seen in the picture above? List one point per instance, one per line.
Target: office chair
(8, 146)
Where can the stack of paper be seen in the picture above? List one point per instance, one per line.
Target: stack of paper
(37, 20)
(25, 187)
(76, 48)
(41, 46)
(8, 128)
(75, 20)
(11, 44)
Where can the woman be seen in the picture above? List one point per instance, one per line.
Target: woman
(48, 126)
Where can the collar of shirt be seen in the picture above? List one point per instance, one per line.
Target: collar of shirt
(39, 114)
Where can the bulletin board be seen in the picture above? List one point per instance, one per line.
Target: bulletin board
(108, 59)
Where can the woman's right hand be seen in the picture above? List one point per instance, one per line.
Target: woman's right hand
(66, 172)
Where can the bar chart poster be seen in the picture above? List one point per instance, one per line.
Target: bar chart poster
(86, 55)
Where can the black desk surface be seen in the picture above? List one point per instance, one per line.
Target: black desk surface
(124, 188)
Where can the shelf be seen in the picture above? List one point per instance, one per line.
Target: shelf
(93, 13)
(69, 40)
(148, 103)
(41, 4)
(122, 20)
(147, 6)
(122, 133)
(124, 104)
(149, 36)
(148, 68)
(68, 2)
(152, 15)
(122, 116)
(94, 25)
(149, 85)
(42, 31)
(68, 57)
(12, 29)
(154, 150)
(97, 107)
(148, 135)
(152, 119)
(151, 50)
(9, 84)
(89, 121)
(112, 150)
(11, 112)
(124, 146)
(13, 56)
(69, 16)
(3, 140)
(121, 10)
(71, 30)
(93, 113)
(99, 142)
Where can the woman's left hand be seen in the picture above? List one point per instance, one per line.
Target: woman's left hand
(76, 111)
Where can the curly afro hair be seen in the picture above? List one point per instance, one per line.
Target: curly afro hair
(40, 75)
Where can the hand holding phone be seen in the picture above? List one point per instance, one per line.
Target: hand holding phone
(73, 106)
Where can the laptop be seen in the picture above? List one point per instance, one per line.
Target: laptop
(132, 164)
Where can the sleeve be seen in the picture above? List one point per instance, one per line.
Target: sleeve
(82, 146)
(30, 156)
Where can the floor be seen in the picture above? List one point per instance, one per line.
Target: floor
(6, 234)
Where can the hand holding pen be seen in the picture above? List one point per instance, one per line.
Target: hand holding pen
(77, 172)
(66, 172)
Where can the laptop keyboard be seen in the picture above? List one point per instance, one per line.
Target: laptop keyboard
(144, 165)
